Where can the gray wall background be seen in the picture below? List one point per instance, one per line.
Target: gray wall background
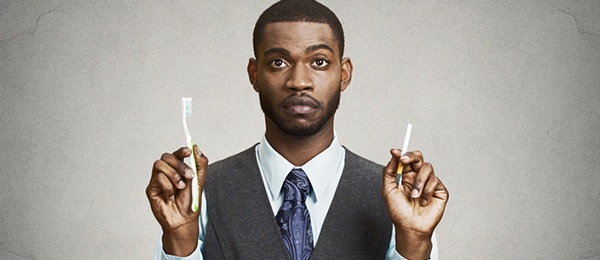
(504, 97)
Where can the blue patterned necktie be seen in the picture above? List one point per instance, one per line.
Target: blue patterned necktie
(293, 218)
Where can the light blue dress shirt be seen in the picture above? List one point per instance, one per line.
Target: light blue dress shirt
(324, 172)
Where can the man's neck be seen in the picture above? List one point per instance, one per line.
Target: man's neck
(299, 150)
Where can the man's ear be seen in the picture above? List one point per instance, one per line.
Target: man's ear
(346, 73)
(252, 67)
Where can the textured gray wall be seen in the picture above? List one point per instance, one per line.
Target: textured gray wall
(504, 97)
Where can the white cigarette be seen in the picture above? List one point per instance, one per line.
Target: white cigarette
(406, 139)
(404, 147)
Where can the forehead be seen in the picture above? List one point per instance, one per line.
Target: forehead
(296, 36)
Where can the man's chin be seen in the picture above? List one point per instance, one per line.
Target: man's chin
(300, 130)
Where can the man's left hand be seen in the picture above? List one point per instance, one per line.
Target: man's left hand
(416, 205)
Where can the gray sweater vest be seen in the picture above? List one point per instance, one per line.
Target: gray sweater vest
(241, 224)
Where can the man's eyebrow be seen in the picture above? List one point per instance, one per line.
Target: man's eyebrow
(313, 48)
(310, 49)
(277, 50)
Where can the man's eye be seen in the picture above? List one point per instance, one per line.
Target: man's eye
(321, 63)
(278, 63)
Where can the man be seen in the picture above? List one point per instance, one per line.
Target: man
(298, 193)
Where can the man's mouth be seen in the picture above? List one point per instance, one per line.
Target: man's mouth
(300, 104)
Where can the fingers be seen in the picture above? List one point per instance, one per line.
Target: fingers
(417, 175)
(169, 173)
(440, 193)
(166, 187)
(434, 192)
(423, 176)
(412, 161)
(174, 168)
(429, 189)
(161, 167)
(160, 188)
(184, 197)
(182, 153)
(170, 189)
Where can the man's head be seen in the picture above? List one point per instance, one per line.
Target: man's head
(298, 11)
(298, 71)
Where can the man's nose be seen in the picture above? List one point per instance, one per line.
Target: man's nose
(300, 79)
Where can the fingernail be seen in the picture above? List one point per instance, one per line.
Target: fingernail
(414, 193)
(404, 157)
(189, 173)
(181, 184)
(197, 151)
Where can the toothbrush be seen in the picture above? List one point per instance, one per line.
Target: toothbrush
(404, 148)
(186, 103)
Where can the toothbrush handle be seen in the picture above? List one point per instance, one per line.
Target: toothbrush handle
(195, 194)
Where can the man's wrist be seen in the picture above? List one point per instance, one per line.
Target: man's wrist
(413, 245)
(181, 241)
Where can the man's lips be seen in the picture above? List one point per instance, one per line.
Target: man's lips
(300, 104)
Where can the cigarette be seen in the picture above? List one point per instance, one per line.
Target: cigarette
(404, 147)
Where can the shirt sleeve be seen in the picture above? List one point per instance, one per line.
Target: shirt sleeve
(392, 254)
(159, 253)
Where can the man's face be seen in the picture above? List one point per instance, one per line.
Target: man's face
(299, 76)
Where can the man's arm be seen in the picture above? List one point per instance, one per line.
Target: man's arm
(392, 254)
(160, 254)
(415, 206)
(169, 194)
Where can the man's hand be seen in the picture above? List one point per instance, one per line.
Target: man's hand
(170, 197)
(416, 205)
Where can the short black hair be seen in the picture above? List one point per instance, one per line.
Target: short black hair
(298, 11)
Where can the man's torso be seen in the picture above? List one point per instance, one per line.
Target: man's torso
(241, 222)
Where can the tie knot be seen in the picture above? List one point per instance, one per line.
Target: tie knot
(296, 186)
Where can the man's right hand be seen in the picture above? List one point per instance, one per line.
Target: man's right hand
(170, 197)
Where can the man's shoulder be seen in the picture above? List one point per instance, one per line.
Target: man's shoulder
(355, 160)
(242, 160)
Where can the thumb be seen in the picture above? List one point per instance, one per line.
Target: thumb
(187, 195)
(185, 199)
(201, 165)
(390, 181)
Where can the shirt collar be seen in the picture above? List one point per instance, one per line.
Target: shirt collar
(320, 169)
